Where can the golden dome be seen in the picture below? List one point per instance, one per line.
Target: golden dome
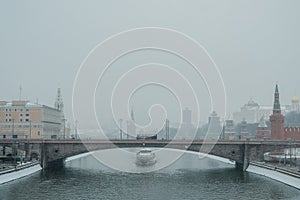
(295, 100)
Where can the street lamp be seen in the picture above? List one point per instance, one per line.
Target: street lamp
(121, 132)
(290, 144)
(64, 129)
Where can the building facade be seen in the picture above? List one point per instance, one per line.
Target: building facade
(22, 119)
(252, 112)
(262, 130)
(25, 120)
(229, 132)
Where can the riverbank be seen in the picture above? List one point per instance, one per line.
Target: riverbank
(281, 174)
(19, 172)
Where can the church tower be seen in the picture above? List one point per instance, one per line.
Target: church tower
(59, 104)
(277, 119)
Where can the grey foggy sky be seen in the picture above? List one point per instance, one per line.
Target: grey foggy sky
(254, 43)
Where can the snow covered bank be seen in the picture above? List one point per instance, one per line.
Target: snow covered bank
(276, 175)
(4, 178)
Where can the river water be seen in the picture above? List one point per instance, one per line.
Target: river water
(188, 178)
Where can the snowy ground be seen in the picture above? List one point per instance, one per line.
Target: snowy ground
(19, 174)
(271, 173)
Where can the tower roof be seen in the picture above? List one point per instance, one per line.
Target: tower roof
(276, 99)
(276, 88)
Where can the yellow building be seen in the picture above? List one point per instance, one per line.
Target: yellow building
(22, 119)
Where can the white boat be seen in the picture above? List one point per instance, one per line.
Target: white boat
(145, 157)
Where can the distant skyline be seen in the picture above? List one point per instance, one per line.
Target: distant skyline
(254, 43)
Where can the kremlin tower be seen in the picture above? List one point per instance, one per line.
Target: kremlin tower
(277, 119)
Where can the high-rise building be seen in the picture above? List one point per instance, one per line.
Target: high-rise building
(187, 116)
(214, 126)
(131, 128)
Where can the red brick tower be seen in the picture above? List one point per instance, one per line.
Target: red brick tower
(277, 119)
(262, 129)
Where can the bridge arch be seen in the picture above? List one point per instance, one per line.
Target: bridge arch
(34, 155)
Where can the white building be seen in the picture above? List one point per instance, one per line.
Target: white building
(252, 112)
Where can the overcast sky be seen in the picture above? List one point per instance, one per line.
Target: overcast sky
(254, 43)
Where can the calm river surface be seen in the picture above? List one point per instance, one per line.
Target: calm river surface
(187, 178)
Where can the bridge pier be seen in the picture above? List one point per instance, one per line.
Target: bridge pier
(56, 164)
(245, 157)
(48, 163)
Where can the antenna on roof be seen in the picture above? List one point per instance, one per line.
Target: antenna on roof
(20, 94)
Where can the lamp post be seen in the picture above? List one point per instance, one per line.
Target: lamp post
(290, 144)
(76, 134)
(30, 129)
(121, 132)
(13, 127)
(64, 128)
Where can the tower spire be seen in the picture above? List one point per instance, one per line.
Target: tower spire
(276, 107)
(59, 104)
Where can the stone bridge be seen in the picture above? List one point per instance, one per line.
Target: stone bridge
(52, 153)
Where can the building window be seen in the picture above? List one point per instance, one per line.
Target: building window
(27, 110)
(20, 126)
(27, 120)
(21, 110)
(6, 120)
(16, 110)
(21, 114)
(6, 114)
(39, 133)
(9, 120)
(6, 109)
(27, 115)
(21, 120)
(15, 136)
(4, 136)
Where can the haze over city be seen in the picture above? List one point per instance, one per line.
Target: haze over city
(252, 44)
(131, 99)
